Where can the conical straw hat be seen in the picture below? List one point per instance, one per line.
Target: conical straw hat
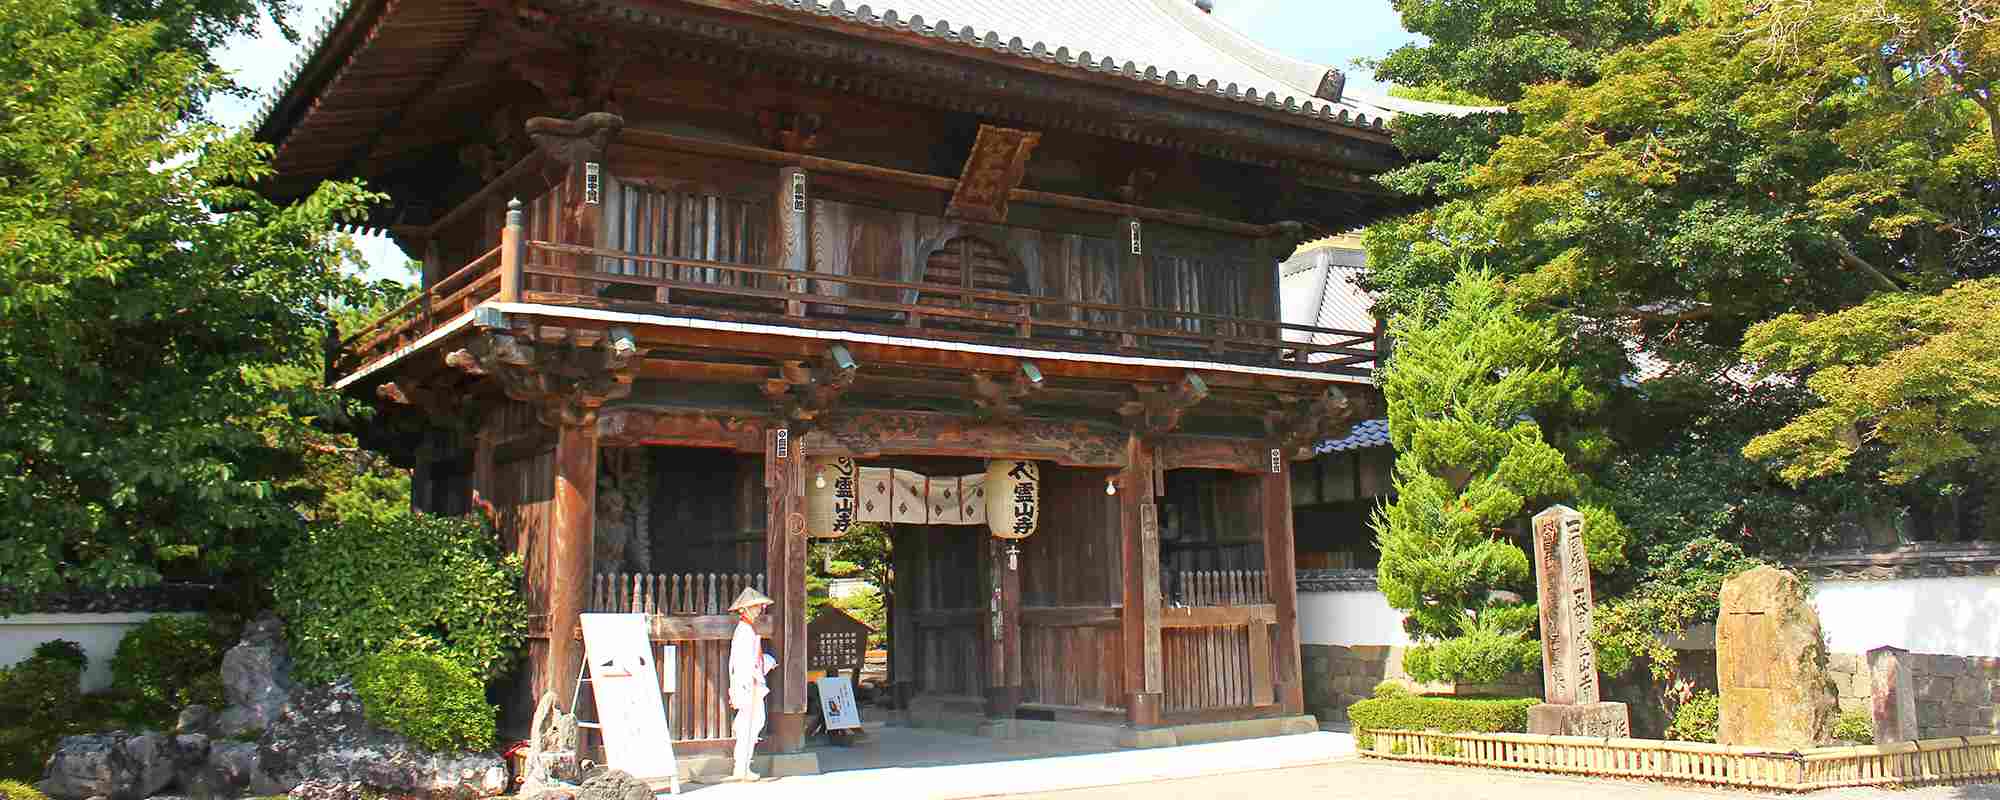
(750, 597)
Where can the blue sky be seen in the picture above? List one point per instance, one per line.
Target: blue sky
(1331, 32)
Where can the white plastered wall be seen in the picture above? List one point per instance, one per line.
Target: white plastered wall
(97, 633)
(1349, 618)
(1946, 616)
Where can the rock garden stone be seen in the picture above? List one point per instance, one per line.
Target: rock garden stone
(613, 784)
(115, 766)
(256, 679)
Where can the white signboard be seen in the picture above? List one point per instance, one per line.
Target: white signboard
(836, 702)
(625, 682)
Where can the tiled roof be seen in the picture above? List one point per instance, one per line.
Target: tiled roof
(1163, 42)
(1369, 433)
(1316, 287)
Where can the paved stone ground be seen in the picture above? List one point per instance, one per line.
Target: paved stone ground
(1358, 778)
(933, 766)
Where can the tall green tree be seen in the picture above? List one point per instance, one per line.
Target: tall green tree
(150, 308)
(1470, 390)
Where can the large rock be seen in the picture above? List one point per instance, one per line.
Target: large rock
(1771, 664)
(614, 784)
(226, 773)
(322, 748)
(256, 680)
(117, 766)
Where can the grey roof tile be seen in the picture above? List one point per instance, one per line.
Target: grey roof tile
(1368, 433)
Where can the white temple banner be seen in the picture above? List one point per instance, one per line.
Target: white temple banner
(853, 494)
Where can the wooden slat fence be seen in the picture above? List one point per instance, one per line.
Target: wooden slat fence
(690, 613)
(1224, 587)
(1960, 760)
(670, 594)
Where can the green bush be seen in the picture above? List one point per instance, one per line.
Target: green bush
(1696, 719)
(1483, 654)
(1855, 726)
(436, 702)
(401, 582)
(1444, 714)
(37, 696)
(16, 790)
(169, 663)
(1390, 689)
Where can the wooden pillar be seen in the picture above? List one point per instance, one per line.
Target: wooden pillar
(571, 531)
(1131, 278)
(484, 475)
(513, 254)
(1003, 629)
(1281, 569)
(1139, 523)
(785, 564)
(792, 240)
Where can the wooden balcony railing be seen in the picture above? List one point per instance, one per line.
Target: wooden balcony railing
(555, 273)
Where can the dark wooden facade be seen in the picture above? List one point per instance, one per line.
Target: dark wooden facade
(674, 255)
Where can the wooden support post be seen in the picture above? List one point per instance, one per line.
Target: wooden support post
(484, 476)
(1281, 568)
(1003, 630)
(791, 205)
(1131, 278)
(1138, 515)
(513, 254)
(571, 534)
(785, 564)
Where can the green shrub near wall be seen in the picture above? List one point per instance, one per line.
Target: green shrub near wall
(169, 663)
(16, 790)
(37, 696)
(437, 703)
(1443, 714)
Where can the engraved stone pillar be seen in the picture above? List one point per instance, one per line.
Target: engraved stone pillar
(1894, 695)
(1569, 661)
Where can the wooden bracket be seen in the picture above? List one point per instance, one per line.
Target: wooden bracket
(566, 382)
(801, 395)
(791, 131)
(998, 161)
(998, 400)
(1297, 425)
(1159, 410)
(568, 142)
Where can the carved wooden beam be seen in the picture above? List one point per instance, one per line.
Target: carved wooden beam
(1298, 425)
(998, 400)
(999, 158)
(801, 395)
(566, 382)
(791, 131)
(568, 142)
(1159, 410)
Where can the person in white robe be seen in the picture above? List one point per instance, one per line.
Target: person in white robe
(748, 686)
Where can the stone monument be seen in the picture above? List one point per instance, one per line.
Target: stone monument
(1894, 695)
(1770, 664)
(1569, 661)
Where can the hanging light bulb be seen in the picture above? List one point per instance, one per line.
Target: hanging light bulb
(819, 479)
(1110, 486)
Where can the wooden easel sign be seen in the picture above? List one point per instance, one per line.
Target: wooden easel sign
(836, 704)
(624, 681)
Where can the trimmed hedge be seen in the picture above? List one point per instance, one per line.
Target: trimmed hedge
(1697, 719)
(1444, 714)
(436, 702)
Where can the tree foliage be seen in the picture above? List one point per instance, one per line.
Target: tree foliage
(1469, 390)
(154, 312)
(1917, 373)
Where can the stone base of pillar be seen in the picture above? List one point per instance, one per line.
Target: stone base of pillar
(1582, 719)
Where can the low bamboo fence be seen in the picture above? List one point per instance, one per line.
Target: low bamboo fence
(1958, 760)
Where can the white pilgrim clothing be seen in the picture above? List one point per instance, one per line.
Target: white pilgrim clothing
(747, 689)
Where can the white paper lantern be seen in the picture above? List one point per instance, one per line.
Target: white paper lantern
(830, 509)
(1013, 498)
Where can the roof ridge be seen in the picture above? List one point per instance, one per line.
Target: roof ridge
(1298, 74)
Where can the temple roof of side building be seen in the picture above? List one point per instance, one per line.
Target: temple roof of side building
(1317, 288)
(1161, 43)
